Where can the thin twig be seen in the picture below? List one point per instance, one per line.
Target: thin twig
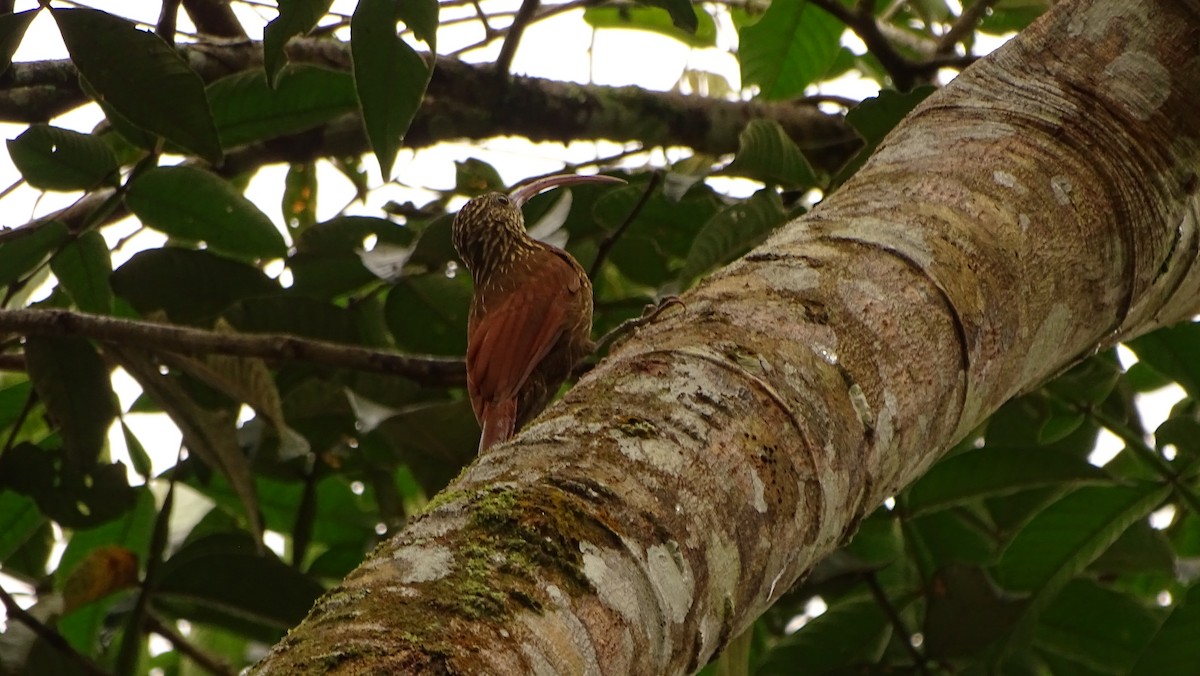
(55, 639)
(202, 659)
(607, 243)
(515, 30)
(963, 27)
(430, 371)
(864, 26)
(896, 621)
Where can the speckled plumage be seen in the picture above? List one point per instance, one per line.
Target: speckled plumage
(531, 315)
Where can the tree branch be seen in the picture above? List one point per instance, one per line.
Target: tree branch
(862, 22)
(465, 101)
(18, 614)
(214, 17)
(509, 49)
(429, 371)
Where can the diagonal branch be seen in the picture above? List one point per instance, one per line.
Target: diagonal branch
(429, 371)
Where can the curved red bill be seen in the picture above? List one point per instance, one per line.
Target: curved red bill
(526, 192)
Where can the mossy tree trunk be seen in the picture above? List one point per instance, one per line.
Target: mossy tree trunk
(1038, 209)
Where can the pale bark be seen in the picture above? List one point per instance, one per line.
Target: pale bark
(1040, 208)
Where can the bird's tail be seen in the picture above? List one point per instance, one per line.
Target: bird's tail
(498, 422)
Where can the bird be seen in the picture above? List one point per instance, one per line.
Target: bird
(530, 319)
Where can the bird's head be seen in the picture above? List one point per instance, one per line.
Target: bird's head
(489, 230)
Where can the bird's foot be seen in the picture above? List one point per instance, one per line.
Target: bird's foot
(649, 314)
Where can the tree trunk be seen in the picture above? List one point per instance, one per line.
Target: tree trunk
(1038, 209)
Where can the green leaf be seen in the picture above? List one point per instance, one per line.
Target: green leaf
(220, 579)
(731, 232)
(296, 17)
(850, 632)
(768, 154)
(966, 613)
(1174, 648)
(190, 286)
(72, 496)
(428, 313)
(1065, 537)
(702, 30)
(682, 12)
(141, 77)
(132, 531)
(294, 315)
(12, 30)
(474, 177)
(25, 252)
(50, 158)
(792, 45)
(1097, 627)
(137, 452)
(20, 520)
(245, 109)
(389, 75)
(84, 266)
(653, 248)
(422, 17)
(193, 204)
(874, 119)
(1172, 352)
(993, 471)
(208, 434)
(299, 204)
(72, 381)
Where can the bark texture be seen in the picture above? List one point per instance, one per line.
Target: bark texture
(1040, 208)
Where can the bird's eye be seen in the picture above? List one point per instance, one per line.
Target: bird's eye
(503, 200)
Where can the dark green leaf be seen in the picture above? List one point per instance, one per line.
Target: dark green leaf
(422, 17)
(1140, 549)
(682, 13)
(12, 29)
(875, 118)
(435, 440)
(296, 17)
(474, 177)
(428, 313)
(702, 33)
(1065, 537)
(141, 77)
(731, 232)
(190, 286)
(83, 266)
(793, 44)
(653, 248)
(20, 520)
(193, 204)
(766, 153)
(1100, 628)
(1172, 351)
(131, 531)
(850, 632)
(294, 315)
(966, 613)
(72, 381)
(137, 452)
(221, 580)
(1174, 648)
(75, 498)
(992, 471)
(50, 158)
(21, 254)
(389, 75)
(245, 109)
(947, 537)
(299, 205)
